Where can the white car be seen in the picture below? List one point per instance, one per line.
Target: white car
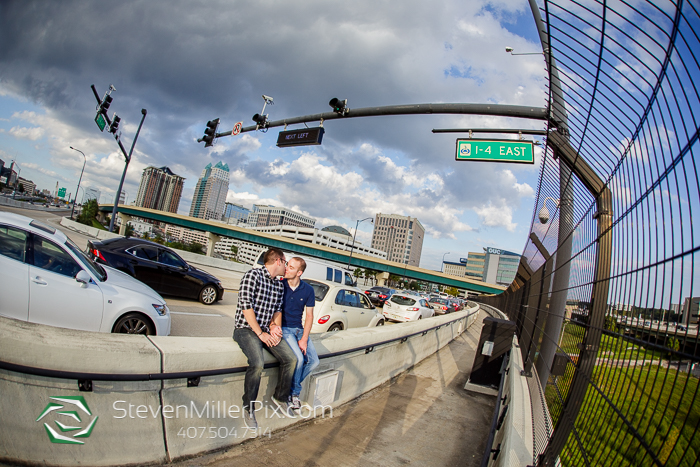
(407, 307)
(46, 279)
(341, 307)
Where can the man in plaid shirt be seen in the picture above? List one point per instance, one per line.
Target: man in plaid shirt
(258, 319)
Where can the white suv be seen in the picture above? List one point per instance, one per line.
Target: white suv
(46, 279)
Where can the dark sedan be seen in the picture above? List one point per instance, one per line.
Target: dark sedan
(378, 295)
(158, 267)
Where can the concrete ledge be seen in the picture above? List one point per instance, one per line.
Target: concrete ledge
(163, 421)
(516, 435)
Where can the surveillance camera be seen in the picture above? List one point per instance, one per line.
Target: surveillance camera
(544, 215)
(267, 98)
(509, 49)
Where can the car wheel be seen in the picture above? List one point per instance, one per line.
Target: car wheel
(134, 323)
(208, 295)
(335, 327)
(380, 323)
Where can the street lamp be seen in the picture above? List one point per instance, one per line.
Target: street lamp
(355, 235)
(510, 50)
(443, 261)
(79, 180)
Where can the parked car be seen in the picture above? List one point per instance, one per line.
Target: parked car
(407, 307)
(441, 306)
(158, 267)
(456, 303)
(46, 279)
(341, 307)
(379, 295)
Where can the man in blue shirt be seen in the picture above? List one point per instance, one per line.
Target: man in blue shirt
(298, 297)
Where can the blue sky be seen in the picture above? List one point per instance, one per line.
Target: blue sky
(189, 64)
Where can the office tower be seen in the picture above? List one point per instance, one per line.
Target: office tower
(401, 237)
(210, 193)
(268, 216)
(160, 189)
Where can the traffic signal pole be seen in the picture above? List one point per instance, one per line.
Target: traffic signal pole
(126, 166)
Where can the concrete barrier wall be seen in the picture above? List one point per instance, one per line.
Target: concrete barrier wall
(515, 439)
(152, 421)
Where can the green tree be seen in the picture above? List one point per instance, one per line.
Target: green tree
(20, 188)
(129, 231)
(451, 291)
(673, 344)
(88, 213)
(610, 324)
(158, 239)
(234, 251)
(195, 247)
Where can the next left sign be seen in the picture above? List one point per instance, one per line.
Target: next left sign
(303, 137)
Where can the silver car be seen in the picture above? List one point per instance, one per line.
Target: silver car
(46, 279)
(341, 307)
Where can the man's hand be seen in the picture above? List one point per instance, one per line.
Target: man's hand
(269, 339)
(302, 345)
(275, 330)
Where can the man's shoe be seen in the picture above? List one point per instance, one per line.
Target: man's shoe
(249, 419)
(285, 408)
(296, 403)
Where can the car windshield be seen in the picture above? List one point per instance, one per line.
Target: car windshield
(320, 290)
(95, 268)
(402, 300)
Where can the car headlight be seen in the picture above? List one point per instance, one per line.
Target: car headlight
(161, 309)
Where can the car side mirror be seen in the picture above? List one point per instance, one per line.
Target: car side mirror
(83, 278)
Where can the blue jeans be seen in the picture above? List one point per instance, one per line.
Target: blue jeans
(305, 363)
(252, 347)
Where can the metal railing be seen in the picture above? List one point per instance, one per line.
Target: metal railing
(603, 282)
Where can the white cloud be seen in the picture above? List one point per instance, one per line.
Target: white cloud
(32, 134)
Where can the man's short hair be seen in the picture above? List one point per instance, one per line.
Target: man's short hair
(302, 263)
(272, 255)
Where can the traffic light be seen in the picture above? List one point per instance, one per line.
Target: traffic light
(114, 127)
(104, 105)
(260, 120)
(339, 107)
(210, 133)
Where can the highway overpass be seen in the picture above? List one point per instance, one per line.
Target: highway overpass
(308, 249)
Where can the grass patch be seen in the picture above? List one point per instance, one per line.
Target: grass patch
(97, 225)
(661, 405)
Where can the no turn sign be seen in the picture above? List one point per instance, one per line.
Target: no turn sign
(237, 128)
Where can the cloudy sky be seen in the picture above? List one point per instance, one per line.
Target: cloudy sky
(188, 62)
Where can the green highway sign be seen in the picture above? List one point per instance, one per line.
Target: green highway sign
(515, 151)
(100, 120)
(61, 192)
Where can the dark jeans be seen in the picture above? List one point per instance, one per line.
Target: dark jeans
(252, 347)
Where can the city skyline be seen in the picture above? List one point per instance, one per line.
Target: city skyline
(364, 166)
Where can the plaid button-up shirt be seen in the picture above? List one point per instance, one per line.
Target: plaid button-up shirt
(261, 292)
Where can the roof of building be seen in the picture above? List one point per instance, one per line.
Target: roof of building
(336, 229)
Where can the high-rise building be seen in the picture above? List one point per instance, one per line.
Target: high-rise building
(269, 216)
(401, 237)
(210, 193)
(160, 189)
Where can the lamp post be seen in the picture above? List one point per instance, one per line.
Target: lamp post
(443, 261)
(79, 180)
(355, 236)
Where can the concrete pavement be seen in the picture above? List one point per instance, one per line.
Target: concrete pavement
(423, 416)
